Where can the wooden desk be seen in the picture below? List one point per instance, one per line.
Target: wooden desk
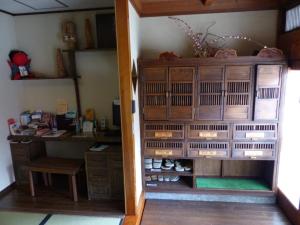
(71, 137)
(23, 154)
(48, 165)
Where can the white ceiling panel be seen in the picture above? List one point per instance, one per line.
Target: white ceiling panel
(35, 6)
(41, 4)
(13, 7)
(88, 3)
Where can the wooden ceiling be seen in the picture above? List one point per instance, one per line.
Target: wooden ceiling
(176, 7)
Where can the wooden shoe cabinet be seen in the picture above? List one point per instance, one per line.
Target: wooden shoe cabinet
(221, 115)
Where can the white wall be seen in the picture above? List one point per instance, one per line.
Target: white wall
(134, 22)
(39, 36)
(10, 93)
(159, 34)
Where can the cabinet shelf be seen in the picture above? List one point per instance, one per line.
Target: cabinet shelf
(169, 172)
(237, 184)
(181, 185)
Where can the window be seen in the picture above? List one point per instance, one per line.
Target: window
(289, 167)
(292, 19)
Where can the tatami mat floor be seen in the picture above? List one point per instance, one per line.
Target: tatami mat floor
(17, 218)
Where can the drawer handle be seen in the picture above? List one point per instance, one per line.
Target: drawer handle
(208, 135)
(255, 135)
(207, 153)
(164, 152)
(253, 153)
(163, 134)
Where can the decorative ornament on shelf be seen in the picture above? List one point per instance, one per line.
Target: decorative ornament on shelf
(69, 34)
(270, 53)
(208, 44)
(19, 63)
(168, 56)
(226, 53)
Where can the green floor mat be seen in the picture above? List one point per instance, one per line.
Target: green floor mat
(18, 218)
(82, 220)
(231, 183)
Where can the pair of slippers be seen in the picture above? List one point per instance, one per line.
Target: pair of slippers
(170, 164)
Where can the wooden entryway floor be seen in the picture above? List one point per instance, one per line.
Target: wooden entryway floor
(51, 201)
(159, 212)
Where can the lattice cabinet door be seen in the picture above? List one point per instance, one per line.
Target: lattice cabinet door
(155, 83)
(210, 88)
(181, 95)
(268, 81)
(238, 93)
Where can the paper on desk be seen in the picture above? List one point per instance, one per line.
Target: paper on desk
(53, 134)
(100, 148)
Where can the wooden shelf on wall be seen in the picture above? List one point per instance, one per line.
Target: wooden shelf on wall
(90, 50)
(49, 78)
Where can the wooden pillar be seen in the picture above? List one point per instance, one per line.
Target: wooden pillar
(125, 86)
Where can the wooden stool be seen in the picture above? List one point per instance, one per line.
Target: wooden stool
(48, 165)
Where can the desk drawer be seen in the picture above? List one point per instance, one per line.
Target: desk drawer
(20, 152)
(96, 180)
(255, 131)
(207, 131)
(164, 149)
(163, 131)
(97, 192)
(96, 160)
(208, 149)
(254, 150)
(97, 171)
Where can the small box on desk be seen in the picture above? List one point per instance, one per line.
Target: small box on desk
(64, 123)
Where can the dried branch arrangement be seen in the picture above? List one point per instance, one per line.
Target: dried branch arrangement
(207, 44)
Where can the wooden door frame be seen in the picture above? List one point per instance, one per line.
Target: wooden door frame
(133, 206)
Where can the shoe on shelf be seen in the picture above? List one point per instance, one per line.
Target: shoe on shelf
(147, 161)
(154, 177)
(187, 168)
(166, 167)
(169, 163)
(174, 178)
(148, 178)
(178, 167)
(167, 178)
(160, 178)
(157, 160)
(148, 166)
(156, 165)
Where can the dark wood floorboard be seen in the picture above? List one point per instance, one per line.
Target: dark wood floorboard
(159, 212)
(51, 201)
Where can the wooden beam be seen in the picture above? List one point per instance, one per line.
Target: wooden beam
(137, 4)
(8, 189)
(125, 87)
(181, 7)
(289, 210)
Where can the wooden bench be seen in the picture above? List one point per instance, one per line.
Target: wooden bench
(48, 166)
